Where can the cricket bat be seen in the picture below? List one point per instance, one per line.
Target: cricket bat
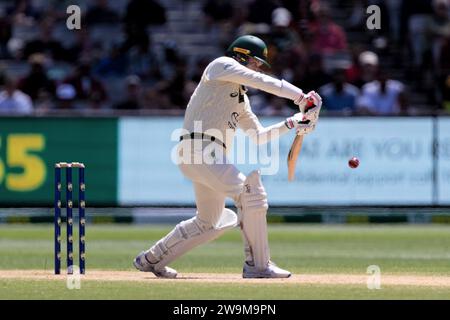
(294, 152)
(296, 147)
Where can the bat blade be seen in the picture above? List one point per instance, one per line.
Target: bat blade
(294, 152)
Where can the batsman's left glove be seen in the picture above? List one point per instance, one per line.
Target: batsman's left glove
(301, 124)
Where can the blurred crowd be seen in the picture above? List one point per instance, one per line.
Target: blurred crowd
(114, 63)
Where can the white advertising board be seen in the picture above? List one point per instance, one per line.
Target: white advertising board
(395, 163)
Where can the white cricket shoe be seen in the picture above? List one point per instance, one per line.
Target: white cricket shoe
(271, 271)
(142, 264)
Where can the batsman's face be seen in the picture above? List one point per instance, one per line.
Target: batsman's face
(254, 64)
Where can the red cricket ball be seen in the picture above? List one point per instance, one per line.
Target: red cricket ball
(353, 163)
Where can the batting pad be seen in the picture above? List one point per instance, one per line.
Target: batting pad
(253, 220)
(187, 235)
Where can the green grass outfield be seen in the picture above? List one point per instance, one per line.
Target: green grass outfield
(400, 250)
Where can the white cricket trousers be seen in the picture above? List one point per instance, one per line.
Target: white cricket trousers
(213, 183)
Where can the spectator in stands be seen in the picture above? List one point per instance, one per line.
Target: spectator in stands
(339, 97)
(15, 48)
(438, 28)
(88, 88)
(394, 9)
(143, 62)
(175, 88)
(286, 49)
(44, 102)
(415, 14)
(180, 83)
(382, 97)
(114, 64)
(169, 60)
(313, 76)
(14, 101)
(5, 34)
(100, 13)
(83, 46)
(23, 13)
(155, 98)
(282, 36)
(326, 36)
(65, 94)
(357, 18)
(365, 71)
(219, 15)
(45, 43)
(138, 16)
(352, 73)
(37, 78)
(133, 97)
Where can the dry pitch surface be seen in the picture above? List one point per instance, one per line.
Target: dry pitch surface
(320, 279)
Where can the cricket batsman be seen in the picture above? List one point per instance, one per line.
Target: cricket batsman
(220, 105)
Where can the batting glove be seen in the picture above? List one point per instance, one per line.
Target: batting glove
(312, 106)
(300, 122)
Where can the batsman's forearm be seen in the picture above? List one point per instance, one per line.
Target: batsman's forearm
(264, 135)
(257, 80)
(236, 73)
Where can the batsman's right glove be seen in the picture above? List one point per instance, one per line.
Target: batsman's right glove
(311, 106)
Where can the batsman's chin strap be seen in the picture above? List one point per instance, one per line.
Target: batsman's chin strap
(202, 136)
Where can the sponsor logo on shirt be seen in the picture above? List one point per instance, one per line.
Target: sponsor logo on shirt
(232, 124)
